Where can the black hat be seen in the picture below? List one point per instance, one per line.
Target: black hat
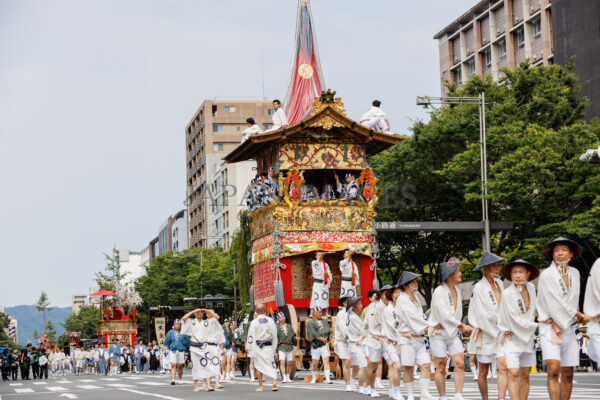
(351, 302)
(533, 270)
(407, 277)
(549, 247)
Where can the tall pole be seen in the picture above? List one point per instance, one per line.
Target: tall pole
(484, 189)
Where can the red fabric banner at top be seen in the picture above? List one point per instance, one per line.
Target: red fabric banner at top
(306, 80)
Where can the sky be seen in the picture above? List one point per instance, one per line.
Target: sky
(95, 97)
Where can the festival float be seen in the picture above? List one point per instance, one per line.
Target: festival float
(117, 317)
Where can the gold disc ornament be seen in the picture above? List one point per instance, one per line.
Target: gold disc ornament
(305, 71)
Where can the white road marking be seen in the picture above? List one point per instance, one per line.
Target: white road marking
(119, 385)
(69, 395)
(152, 394)
(87, 380)
(15, 384)
(155, 383)
(56, 388)
(109, 379)
(40, 383)
(89, 387)
(24, 390)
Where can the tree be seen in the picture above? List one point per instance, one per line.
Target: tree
(50, 332)
(535, 133)
(240, 252)
(36, 334)
(112, 272)
(4, 338)
(43, 304)
(84, 321)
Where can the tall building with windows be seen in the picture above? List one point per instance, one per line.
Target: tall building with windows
(503, 33)
(214, 131)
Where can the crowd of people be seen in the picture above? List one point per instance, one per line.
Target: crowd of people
(116, 358)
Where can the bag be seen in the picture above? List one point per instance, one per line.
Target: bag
(278, 286)
(43, 360)
(144, 360)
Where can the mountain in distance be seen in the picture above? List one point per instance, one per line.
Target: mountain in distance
(29, 318)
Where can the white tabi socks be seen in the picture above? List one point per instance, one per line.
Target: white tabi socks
(252, 376)
(327, 375)
(409, 390)
(314, 376)
(424, 385)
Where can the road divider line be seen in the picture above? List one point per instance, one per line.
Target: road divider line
(151, 394)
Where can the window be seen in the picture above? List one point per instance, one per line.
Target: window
(217, 128)
(270, 111)
(229, 109)
(238, 128)
(537, 28)
(521, 37)
(488, 57)
(458, 72)
(502, 49)
(267, 126)
(214, 111)
(472, 66)
(217, 146)
(218, 225)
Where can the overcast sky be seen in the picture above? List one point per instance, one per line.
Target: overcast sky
(95, 96)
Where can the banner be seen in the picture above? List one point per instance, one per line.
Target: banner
(159, 327)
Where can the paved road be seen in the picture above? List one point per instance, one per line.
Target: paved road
(157, 386)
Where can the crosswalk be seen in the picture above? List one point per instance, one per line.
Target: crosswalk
(130, 382)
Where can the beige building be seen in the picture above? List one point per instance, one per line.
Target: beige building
(215, 129)
(495, 34)
(78, 301)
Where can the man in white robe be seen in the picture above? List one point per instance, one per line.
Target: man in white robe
(517, 326)
(262, 340)
(557, 306)
(321, 283)
(350, 277)
(374, 342)
(252, 129)
(375, 118)
(279, 118)
(414, 346)
(340, 344)
(483, 315)
(204, 349)
(389, 295)
(356, 335)
(445, 338)
(591, 306)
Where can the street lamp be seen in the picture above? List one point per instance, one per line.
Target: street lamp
(426, 101)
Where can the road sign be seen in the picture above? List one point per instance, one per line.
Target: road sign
(450, 226)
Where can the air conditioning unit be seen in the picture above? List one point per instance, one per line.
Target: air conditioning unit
(535, 57)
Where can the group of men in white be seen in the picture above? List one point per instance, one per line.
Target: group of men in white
(375, 118)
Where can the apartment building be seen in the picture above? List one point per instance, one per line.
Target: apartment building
(215, 129)
(503, 33)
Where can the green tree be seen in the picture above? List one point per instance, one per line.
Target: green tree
(36, 334)
(4, 338)
(43, 305)
(112, 272)
(50, 332)
(84, 321)
(240, 252)
(535, 133)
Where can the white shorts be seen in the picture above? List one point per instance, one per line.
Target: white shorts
(176, 357)
(357, 356)
(286, 355)
(442, 348)
(342, 350)
(230, 352)
(567, 353)
(522, 359)
(319, 352)
(471, 347)
(374, 355)
(390, 354)
(416, 352)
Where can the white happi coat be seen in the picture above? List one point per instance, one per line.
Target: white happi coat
(373, 315)
(483, 314)
(205, 360)
(374, 119)
(555, 301)
(348, 268)
(339, 332)
(279, 119)
(320, 290)
(591, 308)
(355, 330)
(263, 328)
(410, 318)
(442, 311)
(515, 319)
(253, 130)
(389, 327)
